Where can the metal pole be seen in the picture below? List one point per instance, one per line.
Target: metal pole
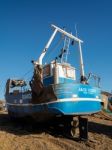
(67, 34)
(81, 60)
(47, 46)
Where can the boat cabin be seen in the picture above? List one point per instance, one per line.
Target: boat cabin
(56, 73)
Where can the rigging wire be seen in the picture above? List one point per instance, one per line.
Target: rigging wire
(29, 71)
(55, 46)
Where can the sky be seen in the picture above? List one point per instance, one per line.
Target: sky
(25, 29)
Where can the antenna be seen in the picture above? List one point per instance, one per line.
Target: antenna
(76, 34)
(76, 30)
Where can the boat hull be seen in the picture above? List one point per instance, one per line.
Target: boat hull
(46, 111)
(72, 99)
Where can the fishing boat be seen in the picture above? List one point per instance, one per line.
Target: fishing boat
(54, 90)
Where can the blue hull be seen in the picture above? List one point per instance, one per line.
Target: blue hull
(57, 108)
(75, 108)
(72, 99)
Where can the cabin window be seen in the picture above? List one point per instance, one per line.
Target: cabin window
(70, 73)
(46, 71)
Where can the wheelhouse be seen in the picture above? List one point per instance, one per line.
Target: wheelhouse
(64, 73)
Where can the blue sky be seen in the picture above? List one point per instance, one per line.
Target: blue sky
(25, 29)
